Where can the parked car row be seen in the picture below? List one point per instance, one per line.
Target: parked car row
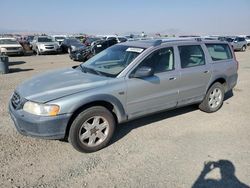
(73, 45)
(78, 45)
(237, 42)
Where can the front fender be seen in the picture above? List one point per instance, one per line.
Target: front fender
(72, 103)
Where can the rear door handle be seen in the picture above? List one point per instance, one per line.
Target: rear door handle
(172, 78)
(206, 71)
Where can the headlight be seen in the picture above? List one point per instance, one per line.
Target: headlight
(2, 49)
(41, 46)
(41, 109)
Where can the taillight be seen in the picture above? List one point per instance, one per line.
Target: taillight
(237, 62)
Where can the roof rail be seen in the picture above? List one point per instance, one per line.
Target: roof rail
(157, 42)
(198, 39)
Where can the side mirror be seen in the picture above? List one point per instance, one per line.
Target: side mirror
(144, 72)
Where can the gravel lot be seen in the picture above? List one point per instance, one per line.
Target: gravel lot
(163, 150)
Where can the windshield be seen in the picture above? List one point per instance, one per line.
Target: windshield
(111, 61)
(74, 41)
(45, 39)
(59, 38)
(122, 39)
(30, 38)
(90, 40)
(8, 41)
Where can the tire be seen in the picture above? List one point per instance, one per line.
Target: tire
(95, 125)
(214, 98)
(243, 49)
(37, 52)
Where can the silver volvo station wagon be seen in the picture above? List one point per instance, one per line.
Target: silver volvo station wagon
(123, 82)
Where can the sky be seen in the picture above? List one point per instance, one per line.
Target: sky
(203, 17)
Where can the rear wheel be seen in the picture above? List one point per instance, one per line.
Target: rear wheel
(213, 99)
(92, 129)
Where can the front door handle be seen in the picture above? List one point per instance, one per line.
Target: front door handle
(206, 71)
(172, 78)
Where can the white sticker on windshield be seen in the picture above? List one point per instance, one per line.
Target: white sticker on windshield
(137, 50)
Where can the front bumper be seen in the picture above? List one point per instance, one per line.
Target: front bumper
(13, 52)
(39, 126)
(53, 50)
(76, 56)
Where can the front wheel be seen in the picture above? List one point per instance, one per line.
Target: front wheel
(213, 99)
(243, 49)
(37, 52)
(92, 129)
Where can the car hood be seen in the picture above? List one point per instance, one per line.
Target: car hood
(47, 43)
(10, 45)
(56, 84)
(79, 48)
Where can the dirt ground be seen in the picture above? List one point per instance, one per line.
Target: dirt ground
(163, 150)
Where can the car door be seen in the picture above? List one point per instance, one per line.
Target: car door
(154, 93)
(195, 74)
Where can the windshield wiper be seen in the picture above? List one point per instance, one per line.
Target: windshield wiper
(91, 70)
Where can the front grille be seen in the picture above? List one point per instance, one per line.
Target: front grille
(49, 47)
(16, 100)
(12, 48)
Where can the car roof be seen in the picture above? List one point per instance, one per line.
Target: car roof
(10, 38)
(42, 36)
(158, 42)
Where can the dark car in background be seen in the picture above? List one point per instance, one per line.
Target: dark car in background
(29, 38)
(88, 52)
(102, 45)
(89, 40)
(81, 55)
(71, 44)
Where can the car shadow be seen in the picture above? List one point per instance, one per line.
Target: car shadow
(228, 95)
(124, 128)
(227, 173)
(11, 63)
(14, 70)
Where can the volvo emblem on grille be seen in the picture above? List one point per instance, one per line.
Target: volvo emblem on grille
(16, 100)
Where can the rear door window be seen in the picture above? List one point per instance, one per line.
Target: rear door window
(191, 56)
(219, 52)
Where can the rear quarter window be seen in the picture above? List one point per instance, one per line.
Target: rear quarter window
(219, 52)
